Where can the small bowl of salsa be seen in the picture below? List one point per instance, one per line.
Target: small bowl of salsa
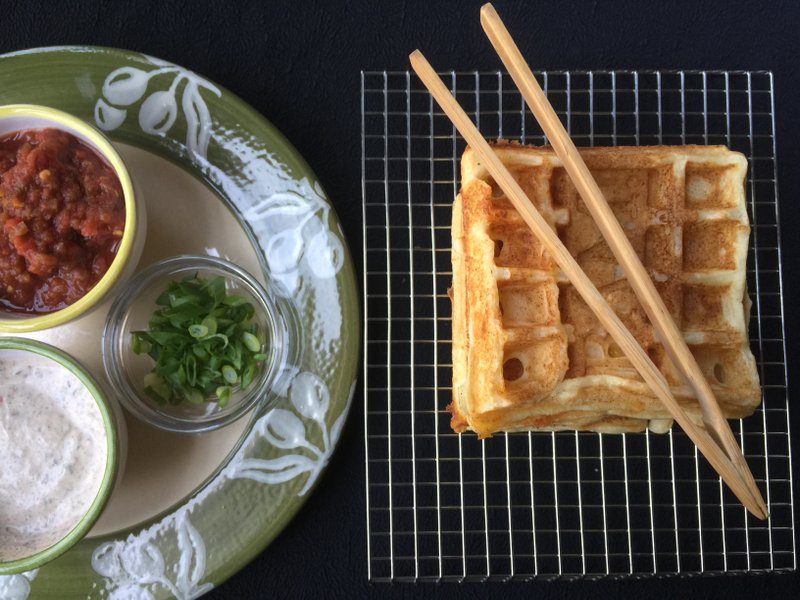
(70, 225)
(61, 444)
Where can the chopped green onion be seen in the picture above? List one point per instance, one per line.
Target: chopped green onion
(198, 331)
(251, 342)
(141, 345)
(203, 342)
(210, 323)
(229, 374)
(194, 396)
(223, 395)
(248, 374)
(157, 388)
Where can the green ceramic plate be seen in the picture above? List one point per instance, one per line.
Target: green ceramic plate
(166, 109)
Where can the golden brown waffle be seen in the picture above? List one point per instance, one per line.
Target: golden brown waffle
(527, 351)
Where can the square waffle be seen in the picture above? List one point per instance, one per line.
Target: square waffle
(528, 354)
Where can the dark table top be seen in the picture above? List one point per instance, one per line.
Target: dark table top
(299, 64)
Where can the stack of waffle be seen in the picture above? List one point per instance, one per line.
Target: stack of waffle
(528, 354)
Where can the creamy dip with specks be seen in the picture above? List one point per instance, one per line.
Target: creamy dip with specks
(52, 453)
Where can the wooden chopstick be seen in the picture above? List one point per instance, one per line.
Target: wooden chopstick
(581, 282)
(665, 327)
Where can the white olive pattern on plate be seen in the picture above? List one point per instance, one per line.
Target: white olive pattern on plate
(292, 221)
(157, 114)
(132, 568)
(17, 587)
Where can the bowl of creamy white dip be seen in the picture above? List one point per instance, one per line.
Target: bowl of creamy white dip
(59, 453)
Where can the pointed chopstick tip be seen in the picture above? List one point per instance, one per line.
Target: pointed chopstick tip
(416, 57)
(488, 11)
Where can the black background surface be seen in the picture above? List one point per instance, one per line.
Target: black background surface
(299, 64)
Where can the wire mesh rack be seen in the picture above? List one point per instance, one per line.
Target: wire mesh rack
(444, 506)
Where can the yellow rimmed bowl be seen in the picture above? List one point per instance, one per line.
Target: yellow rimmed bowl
(18, 117)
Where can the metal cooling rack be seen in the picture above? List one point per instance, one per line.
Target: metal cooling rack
(442, 506)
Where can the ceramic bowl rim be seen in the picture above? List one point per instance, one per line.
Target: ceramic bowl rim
(82, 527)
(103, 145)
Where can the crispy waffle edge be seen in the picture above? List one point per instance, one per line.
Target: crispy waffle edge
(563, 410)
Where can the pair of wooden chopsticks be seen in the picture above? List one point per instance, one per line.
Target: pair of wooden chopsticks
(716, 440)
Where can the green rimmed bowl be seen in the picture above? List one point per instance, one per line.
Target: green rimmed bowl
(65, 541)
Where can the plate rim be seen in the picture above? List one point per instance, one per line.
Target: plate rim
(246, 552)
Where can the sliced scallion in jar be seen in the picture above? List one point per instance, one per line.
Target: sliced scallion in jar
(204, 341)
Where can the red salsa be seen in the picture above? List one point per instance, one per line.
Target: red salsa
(62, 214)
